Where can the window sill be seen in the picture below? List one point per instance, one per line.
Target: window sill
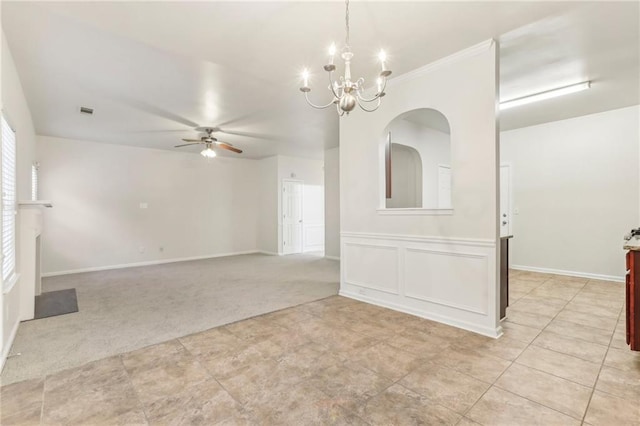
(415, 211)
(31, 203)
(8, 286)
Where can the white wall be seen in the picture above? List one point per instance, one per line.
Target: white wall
(332, 203)
(576, 187)
(267, 238)
(14, 106)
(311, 172)
(196, 208)
(406, 177)
(442, 267)
(434, 148)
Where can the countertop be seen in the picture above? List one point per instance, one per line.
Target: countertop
(633, 244)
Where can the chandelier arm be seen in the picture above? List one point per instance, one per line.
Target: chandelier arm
(378, 95)
(306, 96)
(363, 99)
(331, 82)
(367, 109)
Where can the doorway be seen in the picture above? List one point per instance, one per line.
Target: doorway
(292, 235)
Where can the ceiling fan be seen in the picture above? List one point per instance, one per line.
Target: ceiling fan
(209, 141)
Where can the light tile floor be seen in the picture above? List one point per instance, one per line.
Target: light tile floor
(562, 361)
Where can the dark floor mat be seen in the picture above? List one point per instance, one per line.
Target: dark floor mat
(54, 303)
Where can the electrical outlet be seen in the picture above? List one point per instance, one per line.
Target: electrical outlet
(144, 205)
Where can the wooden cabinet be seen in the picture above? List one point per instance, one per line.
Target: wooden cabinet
(633, 299)
(504, 275)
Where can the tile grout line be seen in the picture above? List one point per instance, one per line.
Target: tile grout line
(212, 376)
(44, 383)
(144, 408)
(593, 390)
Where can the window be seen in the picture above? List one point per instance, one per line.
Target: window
(34, 181)
(8, 203)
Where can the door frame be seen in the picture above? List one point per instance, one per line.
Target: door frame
(509, 167)
(280, 218)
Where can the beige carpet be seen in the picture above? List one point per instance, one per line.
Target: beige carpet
(126, 309)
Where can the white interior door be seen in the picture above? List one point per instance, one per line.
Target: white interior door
(291, 216)
(444, 186)
(505, 200)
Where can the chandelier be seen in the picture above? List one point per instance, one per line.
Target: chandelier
(348, 93)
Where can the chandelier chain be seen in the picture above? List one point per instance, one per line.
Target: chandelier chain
(346, 18)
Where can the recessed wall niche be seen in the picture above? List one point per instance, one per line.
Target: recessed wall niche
(417, 161)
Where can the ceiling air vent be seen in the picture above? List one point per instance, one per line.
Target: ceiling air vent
(86, 110)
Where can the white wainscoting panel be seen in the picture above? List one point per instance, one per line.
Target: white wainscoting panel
(447, 278)
(371, 266)
(313, 237)
(450, 280)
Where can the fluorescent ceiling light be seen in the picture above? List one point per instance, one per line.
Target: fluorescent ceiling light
(545, 95)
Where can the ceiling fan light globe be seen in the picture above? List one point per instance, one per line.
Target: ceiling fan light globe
(208, 153)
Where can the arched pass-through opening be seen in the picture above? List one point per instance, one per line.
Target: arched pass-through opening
(416, 156)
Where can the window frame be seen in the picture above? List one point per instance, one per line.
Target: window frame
(35, 181)
(11, 277)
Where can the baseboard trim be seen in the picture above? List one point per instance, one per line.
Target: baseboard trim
(310, 249)
(485, 331)
(269, 253)
(147, 263)
(588, 275)
(7, 349)
(333, 258)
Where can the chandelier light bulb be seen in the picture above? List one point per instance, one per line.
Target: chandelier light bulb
(305, 78)
(382, 56)
(332, 50)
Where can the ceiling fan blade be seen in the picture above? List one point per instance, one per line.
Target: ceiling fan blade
(193, 140)
(155, 110)
(161, 131)
(223, 143)
(186, 144)
(248, 134)
(230, 148)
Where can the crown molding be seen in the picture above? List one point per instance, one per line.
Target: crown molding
(465, 53)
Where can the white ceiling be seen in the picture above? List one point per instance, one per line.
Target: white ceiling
(155, 70)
